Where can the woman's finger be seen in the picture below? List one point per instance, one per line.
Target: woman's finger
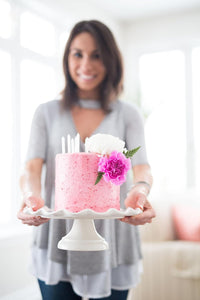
(31, 220)
(35, 222)
(34, 202)
(141, 219)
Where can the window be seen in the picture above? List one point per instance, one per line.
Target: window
(30, 77)
(196, 110)
(162, 77)
(5, 19)
(37, 86)
(6, 158)
(63, 40)
(37, 34)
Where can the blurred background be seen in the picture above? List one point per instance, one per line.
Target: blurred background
(160, 44)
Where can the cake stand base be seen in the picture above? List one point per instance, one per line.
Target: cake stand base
(83, 237)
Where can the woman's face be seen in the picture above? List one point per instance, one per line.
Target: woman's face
(85, 66)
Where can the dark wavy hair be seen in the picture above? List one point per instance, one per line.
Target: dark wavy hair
(111, 58)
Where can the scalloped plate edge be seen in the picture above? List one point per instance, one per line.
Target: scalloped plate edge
(84, 214)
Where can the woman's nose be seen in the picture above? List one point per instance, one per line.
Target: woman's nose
(86, 64)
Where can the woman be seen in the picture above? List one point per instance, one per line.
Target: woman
(93, 80)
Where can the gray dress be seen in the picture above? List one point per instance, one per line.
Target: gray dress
(90, 268)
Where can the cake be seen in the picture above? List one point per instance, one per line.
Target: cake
(76, 174)
(91, 179)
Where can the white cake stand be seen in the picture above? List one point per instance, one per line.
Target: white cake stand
(83, 235)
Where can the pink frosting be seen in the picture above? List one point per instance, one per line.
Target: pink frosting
(75, 187)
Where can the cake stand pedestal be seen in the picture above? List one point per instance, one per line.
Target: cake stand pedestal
(83, 235)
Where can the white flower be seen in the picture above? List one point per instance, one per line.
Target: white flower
(104, 144)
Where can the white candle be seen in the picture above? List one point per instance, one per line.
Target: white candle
(63, 144)
(68, 143)
(77, 143)
(72, 146)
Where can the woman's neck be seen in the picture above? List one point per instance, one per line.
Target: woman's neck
(93, 95)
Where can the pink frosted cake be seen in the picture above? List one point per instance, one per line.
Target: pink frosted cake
(75, 187)
(92, 179)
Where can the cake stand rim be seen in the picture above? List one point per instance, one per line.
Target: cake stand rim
(112, 213)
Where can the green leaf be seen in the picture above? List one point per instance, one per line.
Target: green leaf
(130, 153)
(99, 176)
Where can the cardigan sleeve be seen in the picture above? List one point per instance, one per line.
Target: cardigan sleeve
(37, 146)
(134, 128)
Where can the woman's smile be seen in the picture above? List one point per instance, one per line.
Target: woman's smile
(86, 77)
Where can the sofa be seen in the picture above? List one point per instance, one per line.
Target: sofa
(171, 253)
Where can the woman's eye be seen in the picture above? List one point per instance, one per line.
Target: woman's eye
(96, 56)
(77, 54)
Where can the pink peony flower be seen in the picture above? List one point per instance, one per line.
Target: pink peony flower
(114, 167)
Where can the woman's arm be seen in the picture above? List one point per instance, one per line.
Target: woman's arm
(30, 184)
(137, 197)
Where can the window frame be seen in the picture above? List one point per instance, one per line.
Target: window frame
(18, 53)
(186, 47)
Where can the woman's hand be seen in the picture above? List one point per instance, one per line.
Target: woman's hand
(137, 198)
(35, 203)
(31, 181)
